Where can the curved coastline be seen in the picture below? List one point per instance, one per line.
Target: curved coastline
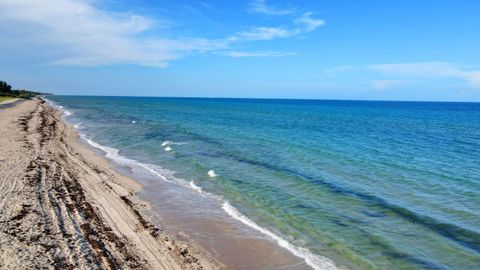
(65, 207)
(316, 262)
(311, 193)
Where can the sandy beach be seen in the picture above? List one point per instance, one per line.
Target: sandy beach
(63, 206)
(240, 135)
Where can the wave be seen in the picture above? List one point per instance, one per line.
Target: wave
(78, 126)
(315, 261)
(195, 187)
(66, 112)
(113, 154)
(167, 143)
(53, 104)
(212, 173)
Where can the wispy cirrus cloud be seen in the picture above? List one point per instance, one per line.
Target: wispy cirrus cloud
(385, 84)
(308, 23)
(396, 74)
(261, 33)
(77, 32)
(242, 54)
(304, 24)
(432, 70)
(261, 7)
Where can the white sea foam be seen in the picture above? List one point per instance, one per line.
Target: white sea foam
(51, 103)
(133, 122)
(166, 143)
(315, 261)
(168, 149)
(212, 173)
(78, 126)
(110, 153)
(195, 187)
(66, 113)
(113, 154)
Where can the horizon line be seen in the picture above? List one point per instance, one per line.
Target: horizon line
(268, 98)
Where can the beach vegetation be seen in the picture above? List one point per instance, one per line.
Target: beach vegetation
(5, 88)
(7, 92)
(4, 98)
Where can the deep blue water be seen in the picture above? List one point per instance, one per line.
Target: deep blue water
(386, 185)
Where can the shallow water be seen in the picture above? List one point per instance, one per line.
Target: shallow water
(386, 185)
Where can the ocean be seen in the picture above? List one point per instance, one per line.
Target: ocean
(336, 184)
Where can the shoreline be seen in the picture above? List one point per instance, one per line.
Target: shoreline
(65, 206)
(238, 239)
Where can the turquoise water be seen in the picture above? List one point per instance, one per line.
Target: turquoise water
(370, 185)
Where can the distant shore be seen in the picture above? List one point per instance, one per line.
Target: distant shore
(63, 206)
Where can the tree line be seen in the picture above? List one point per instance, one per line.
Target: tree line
(6, 90)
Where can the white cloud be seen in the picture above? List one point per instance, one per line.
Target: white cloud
(473, 77)
(239, 54)
(77, 32)
(262, 33)
(429, 70)
(85, 35)
(260, 6)
(401, 73)
(422, 69)
(308, 23)
(384, 84)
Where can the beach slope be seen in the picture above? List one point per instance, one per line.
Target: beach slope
(62, 206)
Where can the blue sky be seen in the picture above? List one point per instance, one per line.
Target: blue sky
(329, 49)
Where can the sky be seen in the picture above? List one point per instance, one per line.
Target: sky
(326, 49)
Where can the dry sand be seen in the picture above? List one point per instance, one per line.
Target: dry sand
(62, 206)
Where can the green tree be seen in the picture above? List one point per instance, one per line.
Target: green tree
(5, 88)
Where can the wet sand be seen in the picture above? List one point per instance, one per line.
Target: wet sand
(200, 219)
(63, 206)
